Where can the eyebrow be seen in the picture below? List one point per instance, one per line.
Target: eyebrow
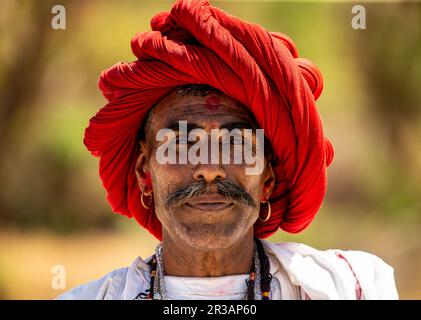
(238, 125)
(229, 126)
(190, 126)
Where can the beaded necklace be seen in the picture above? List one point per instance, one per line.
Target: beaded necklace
(254, 284)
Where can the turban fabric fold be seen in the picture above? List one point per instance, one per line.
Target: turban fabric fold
(196, 43)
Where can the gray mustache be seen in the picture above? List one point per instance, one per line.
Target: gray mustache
(225, 188)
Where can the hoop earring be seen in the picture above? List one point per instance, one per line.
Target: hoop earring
(269, 212)
(143, 202)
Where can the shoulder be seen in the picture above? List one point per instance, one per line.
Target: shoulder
(120, 284)
(334, 273)
(103, 288)
(376, 277)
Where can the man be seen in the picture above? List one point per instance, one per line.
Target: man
(199, 72)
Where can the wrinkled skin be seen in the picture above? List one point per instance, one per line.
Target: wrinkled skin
(209, 235)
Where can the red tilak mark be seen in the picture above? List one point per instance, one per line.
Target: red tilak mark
(212, 103)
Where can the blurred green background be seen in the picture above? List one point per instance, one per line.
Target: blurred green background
(52, 204)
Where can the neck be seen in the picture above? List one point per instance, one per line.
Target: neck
(182, 260)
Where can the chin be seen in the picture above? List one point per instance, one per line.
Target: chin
(208, 237)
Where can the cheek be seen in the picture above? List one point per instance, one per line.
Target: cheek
(256, 185)
(253, 184)
(166, 177)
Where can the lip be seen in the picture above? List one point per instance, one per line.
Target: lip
(209, 202)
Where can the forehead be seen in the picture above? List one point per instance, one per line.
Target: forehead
(210, 111)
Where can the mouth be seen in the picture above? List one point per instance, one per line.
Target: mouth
(209, 202)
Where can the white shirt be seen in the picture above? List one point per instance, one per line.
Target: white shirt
(206, 288)
(299, 272)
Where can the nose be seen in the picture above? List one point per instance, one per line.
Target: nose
(209, 172)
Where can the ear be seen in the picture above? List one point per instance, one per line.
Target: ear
(269, 181)
(143, 175)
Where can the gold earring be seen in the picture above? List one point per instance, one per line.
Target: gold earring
(143, 202)
(269, 212)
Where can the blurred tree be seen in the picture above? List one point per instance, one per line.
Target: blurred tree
(37, 185)
(389, 55)
(20, 81)
(29, 28)
(391, 67)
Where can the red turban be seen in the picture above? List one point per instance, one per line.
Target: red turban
(199, 44)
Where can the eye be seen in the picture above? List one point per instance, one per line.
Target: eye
(180, 140)
(237, 140)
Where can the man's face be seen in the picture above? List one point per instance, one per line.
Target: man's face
(207, 206)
